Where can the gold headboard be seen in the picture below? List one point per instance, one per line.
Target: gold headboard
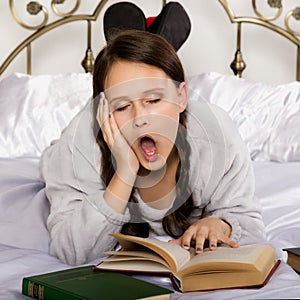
(238, 65)
(34, 8)
(55, 6)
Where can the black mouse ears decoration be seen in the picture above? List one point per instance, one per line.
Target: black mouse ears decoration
(172, 23)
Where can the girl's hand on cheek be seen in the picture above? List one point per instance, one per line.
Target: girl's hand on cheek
(212, 229)
(126, 160)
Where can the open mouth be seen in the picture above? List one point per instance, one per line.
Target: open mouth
(148, 148)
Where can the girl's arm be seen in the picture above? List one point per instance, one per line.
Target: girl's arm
(233, 197)
(80, 219)
(231, 212)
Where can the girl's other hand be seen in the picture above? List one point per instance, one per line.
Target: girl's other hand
(212, 229)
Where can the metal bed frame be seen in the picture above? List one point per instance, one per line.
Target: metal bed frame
(238, 64)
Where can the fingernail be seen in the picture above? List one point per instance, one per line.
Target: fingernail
(199, 249)
(186, 246)
(109, 115)
(213, 246)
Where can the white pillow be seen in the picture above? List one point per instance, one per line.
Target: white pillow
(268, 116)
(35, 109)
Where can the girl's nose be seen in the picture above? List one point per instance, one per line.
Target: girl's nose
(141, 121)
(140, 118)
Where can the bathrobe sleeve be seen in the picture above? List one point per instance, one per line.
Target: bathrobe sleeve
(79, 220)
(225, 188)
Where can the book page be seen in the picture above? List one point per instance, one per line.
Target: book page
(174, 254)
(143, 266)
(135, 255)
(230, 256)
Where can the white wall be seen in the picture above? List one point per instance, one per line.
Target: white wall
(210, 47)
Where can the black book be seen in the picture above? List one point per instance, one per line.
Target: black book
(293, 258)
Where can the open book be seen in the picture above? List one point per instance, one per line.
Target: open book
(247, 266)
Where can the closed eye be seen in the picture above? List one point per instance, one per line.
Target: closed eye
(122, 108)
(153, 101)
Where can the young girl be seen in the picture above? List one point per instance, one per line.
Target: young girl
(142, 160)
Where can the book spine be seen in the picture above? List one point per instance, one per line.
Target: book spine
(43, 292)
(32, 289)
(176, 283)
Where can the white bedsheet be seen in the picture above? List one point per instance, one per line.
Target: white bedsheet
(24, 238)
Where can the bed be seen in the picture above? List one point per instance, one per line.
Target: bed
(35, 108)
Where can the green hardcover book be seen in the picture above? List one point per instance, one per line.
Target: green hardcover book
(86, 283)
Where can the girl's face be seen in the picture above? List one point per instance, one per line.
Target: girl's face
(146, 105)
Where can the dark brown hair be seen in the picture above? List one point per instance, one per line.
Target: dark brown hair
(150, 49)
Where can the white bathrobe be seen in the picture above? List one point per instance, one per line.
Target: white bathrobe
(221, 180)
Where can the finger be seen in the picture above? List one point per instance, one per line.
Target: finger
(228, 241)
(99, 109)
(186, 240)
(102, 111)
(106, 125)
(175, 241)
(105, 109)
(113, 125)
(213, 241)
(100, 117)
(200, 239)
